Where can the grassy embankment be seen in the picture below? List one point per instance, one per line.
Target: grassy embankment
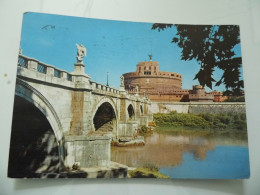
(201, 123)
(147, 171)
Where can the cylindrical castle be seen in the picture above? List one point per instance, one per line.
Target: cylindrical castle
(160, 86)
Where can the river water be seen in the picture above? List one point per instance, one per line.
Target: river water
(189, 156)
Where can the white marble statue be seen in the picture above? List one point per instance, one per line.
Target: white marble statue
(137, 89)
(82, 51)
(122, 81)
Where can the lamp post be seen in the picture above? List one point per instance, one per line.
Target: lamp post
(107, 78)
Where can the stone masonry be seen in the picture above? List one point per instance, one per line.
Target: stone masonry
(161, 86)
(71, 103)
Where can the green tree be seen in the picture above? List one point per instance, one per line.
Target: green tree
(212, 47)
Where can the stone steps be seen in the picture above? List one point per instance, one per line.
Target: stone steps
(106, 127)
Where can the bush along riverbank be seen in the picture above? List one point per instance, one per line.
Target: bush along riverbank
(205, 121)
(147, 171)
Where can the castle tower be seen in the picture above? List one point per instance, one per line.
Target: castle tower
(154, 83)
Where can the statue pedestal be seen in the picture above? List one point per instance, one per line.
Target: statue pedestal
(122, 89)
(79, 69)
(80, 76)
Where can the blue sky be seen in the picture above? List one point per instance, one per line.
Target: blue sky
(112, 46)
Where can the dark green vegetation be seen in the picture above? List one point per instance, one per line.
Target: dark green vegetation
(212, 46)
(205, 121)
(143, 130)
(148, 171)
(236, 99)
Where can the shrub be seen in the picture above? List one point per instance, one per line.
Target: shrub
(203, 121)
(175, 119)
(146, 173)
(143, 130)
(75, 166)
(151, 167)
(236, 99)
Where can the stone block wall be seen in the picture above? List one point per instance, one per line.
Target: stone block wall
(143, 120)
(128, 129)
(89, 151)
(217, 108)
(197, 107)
(60, 99)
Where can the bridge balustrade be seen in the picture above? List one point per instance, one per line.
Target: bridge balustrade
(41, 68)
(25, 62)
(69, 77)
(22, 62)
(57, 73)
(33, 64)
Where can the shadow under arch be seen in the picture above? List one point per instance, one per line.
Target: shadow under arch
(131, 112)
(32, 95)
(36, 129)
(141, 110)
(105, 116)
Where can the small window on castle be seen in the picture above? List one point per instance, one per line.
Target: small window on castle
(147, 72)
(172, 75)
(139, 69)
(150, 67)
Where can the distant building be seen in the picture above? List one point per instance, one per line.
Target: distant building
(198, 94)
(158, 85)
(218, 96)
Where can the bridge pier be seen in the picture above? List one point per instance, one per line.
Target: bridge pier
(88, 151)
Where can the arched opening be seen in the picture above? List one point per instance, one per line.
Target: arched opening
(105, 118)
(131, 112)
(34, 150)
(141, 110)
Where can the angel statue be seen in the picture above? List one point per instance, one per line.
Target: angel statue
(137, 89)
(122, 81)
(82, 51)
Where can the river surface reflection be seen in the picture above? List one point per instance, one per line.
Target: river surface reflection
(189, 156)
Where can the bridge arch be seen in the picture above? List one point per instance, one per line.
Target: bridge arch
(105, 116)
(33, 96)
(40, 147)
(131, 112)
(141, 110)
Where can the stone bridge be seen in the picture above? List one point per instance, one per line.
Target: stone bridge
(85, 116)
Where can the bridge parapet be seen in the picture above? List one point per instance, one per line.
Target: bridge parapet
(34, 69)
(104, 89)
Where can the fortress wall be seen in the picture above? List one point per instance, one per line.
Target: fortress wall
(166, 97)
(154, 83)
(198, 107)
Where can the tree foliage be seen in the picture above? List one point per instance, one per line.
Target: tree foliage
(212, 46)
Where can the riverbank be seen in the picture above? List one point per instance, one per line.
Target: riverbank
(146, 173)
(201, 122)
